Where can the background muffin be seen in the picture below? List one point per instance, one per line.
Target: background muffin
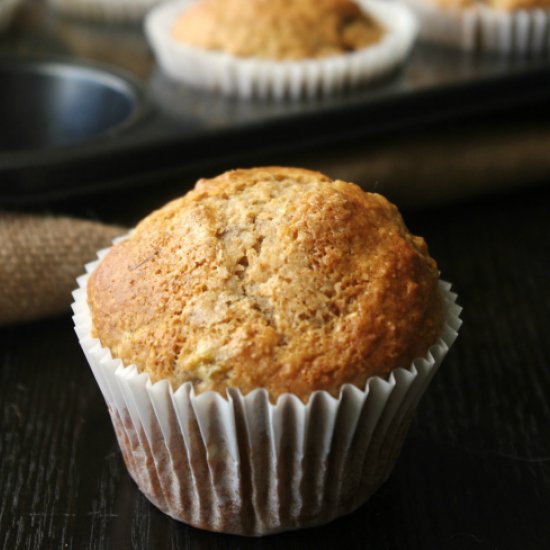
(303, 322)
(505, 26)
(277, 29)
(280, 48)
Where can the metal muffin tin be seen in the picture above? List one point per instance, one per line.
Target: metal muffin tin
(71, 126)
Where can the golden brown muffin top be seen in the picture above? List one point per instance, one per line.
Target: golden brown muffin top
(276, 278)
(276, 29)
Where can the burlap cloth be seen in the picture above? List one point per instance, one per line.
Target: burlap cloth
(40, 256)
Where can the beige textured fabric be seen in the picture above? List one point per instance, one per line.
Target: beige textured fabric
(40, 257)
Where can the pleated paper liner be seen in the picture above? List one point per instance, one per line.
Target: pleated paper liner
(253, 77)
(484, 29)
(241, 464)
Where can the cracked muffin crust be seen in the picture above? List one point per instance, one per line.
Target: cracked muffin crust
(275, 278)
(277, 29)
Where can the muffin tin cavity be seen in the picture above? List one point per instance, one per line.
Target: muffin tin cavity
(50, 103)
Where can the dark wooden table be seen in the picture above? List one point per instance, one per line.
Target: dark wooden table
(474, 471)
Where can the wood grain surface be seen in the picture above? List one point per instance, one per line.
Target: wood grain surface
(475, 468)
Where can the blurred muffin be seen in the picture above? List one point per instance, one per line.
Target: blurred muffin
(289, 323)
(279, 47)
(277, 29)
(505, 26)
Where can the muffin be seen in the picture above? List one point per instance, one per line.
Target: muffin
(279, 48)
(505, 26)
(305, 30)
(280, 327)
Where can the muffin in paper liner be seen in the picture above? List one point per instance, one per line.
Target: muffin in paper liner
(109, 11)
(253, 77)
(484, 29)
(7, 11)
(241, 464)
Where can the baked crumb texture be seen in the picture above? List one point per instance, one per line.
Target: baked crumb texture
(277, 29)
(276, 278)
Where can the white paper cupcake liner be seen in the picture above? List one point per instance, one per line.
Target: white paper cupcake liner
(481, 28)
(7, 11)
(109, 11)
(241, 464)
(253, 77)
